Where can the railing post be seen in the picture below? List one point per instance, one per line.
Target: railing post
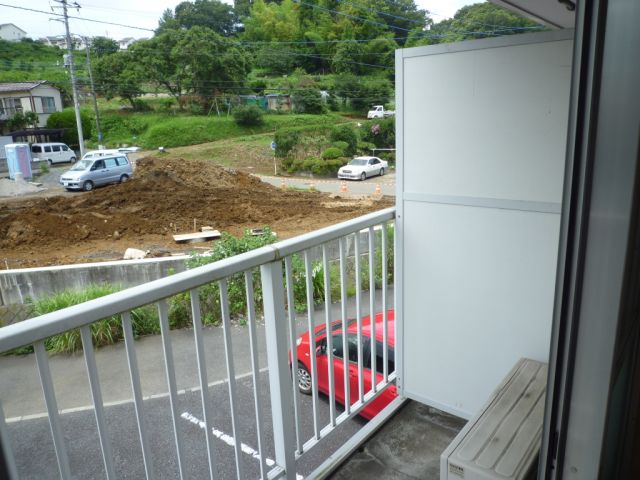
(275, 320)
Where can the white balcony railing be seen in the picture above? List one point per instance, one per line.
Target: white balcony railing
(277, 283)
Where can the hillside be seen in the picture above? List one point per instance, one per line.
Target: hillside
(29, 60)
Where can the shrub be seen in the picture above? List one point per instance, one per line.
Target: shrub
(141, 106)
(344, 146)
(317, 166)
(258, 85)
(248, 116)
(167, 103)
(308, 100)
(332, 153)
(382, 132)
(104, 332)
(67, 119)
(209, 294)
(286, 139)
(346, 134)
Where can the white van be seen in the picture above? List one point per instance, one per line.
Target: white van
(93, 172)
(99, 153)
(53, 152)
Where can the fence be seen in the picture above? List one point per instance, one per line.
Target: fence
(271, 280)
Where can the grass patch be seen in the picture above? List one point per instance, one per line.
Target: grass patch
(151, 130)
(104, 332)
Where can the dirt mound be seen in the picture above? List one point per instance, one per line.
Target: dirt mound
(163, 198)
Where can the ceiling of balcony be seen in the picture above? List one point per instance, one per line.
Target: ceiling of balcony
(554, 13)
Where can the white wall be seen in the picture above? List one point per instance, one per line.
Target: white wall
(46, 91)
(11, 33)
(481, 142)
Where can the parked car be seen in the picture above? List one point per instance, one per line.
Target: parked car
(363, 167)
(100, 153)
(378, 111)
(52, 152)
(322, 361)
(92, 172)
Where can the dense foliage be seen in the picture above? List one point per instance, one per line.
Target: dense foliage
(67, 119)
(336, 55)
(248, 116)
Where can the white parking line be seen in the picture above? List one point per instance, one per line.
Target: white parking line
(154, 396)
(229, 440)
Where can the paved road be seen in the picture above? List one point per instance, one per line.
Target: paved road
(36, 456)
(387, 184)
(21, 397)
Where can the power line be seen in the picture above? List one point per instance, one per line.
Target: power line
(312, 42)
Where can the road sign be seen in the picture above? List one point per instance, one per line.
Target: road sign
(273, 145)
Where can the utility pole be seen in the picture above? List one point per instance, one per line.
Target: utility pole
(93, 92)
(72, 72)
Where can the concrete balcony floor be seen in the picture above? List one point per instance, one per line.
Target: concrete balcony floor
(407, 446)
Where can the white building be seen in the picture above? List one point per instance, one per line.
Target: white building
(126, 42)
(60, 41)
(11, 33)
(38, 96)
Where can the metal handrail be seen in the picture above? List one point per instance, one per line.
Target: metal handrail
(45, 326)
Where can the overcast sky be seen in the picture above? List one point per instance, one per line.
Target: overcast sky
(141, 13)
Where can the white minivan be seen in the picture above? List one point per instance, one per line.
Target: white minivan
(93, 172)
(53, 152)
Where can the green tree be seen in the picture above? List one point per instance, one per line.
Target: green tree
(307, 100)
(348, 58)
(67, 119)
(277, 59)
(475, 21)
(362, 92)
(242, 8)
(214, 63)
(380, 51)
(17, 121)
(119, 74)
(194, 61)
(31, 119)
(271, 22)
(160, 61)
(101, 46)
(213, 14)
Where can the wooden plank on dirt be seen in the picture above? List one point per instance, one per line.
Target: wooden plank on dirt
(197, 236)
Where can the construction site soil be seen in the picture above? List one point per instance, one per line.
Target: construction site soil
(165, 197)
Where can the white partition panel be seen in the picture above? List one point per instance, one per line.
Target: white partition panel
(481, 134)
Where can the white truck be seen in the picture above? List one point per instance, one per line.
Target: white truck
(378, 111)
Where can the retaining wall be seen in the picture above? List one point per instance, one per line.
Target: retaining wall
(23, 285)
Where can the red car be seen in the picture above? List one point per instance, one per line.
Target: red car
(322, 361)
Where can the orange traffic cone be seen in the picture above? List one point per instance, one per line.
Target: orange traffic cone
(343, 187)
(282, 184)
(378, 191)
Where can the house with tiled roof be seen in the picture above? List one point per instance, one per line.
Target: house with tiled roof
(21, 97)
